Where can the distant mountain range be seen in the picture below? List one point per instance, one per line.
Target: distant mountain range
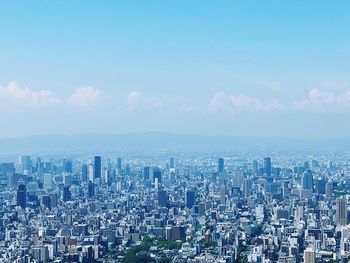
(98, 142)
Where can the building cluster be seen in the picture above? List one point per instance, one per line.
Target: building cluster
(192, 208)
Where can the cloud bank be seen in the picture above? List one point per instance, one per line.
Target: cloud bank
(240, 103)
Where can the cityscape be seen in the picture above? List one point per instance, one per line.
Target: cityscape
(174, 131)
(180, 208)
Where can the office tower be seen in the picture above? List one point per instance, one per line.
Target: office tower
(267, 167)
(91, 190)
(97, 167)
(146, 173)
(67, 179)
(91, 172)
(47, 181)
(329, 188)
(162, 198)
(222, 194)
(66, 193)
(221, 165)
(247, 187)
(237, 180)
(67, 166)
(157, 174)
(22, 196)
(190, 198)
(25, 162)
(84, 173)
(119, 164)
(309, 255)
(46, 201)
(172, 163)
(255, 167)
(307, 180)
(341, 213)
(8, 170)
(320, 186)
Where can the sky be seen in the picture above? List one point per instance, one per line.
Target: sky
(241, 68)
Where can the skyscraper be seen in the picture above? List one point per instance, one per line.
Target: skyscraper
(91, 190)
(267, 166)
(146, 173)
(66, 196)
(341, 211)
(172, 162)
(221, 165)
(190, 198)
(307, 180)
(22, 196)
(84, 173)
(157, 174)
(119, 164)
(329, 188)
(162, 198)
(97, 167)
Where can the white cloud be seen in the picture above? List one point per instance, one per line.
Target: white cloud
(239, 103)
(23, 96)
(85, 96)
(321, 100)
(136, 100)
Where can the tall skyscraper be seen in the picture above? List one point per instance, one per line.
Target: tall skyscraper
(329, 188)
(146, 173)
(22, 196)
(309, 255)
(97, 167)
(84, 173)
(119, 164)
(157, 174)
(267, 166)
(190, 198)
(341, 214)
(221, 165)
(91, 190)
(25, 162)
(162, 198)
(307, 180)
(172, 163)
(66, 196)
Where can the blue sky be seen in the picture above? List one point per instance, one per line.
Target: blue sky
(261, 68)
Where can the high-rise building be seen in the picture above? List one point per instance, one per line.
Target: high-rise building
(67, 166)
(97, 167)
(91, 190)
(25, 162)
(247, 187)
(307, 180)
(157, 174)
(66, 196)
(84, 173)
(119, 164)
(341, 214)
(46, 201)
(329, 188)
(146, 173)
(162, 198)
(221, 165)
(267, 167)
(172, 162)
(190, 198)
(309, 255)
(22, 196)
(8, 170)
(320, 186)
